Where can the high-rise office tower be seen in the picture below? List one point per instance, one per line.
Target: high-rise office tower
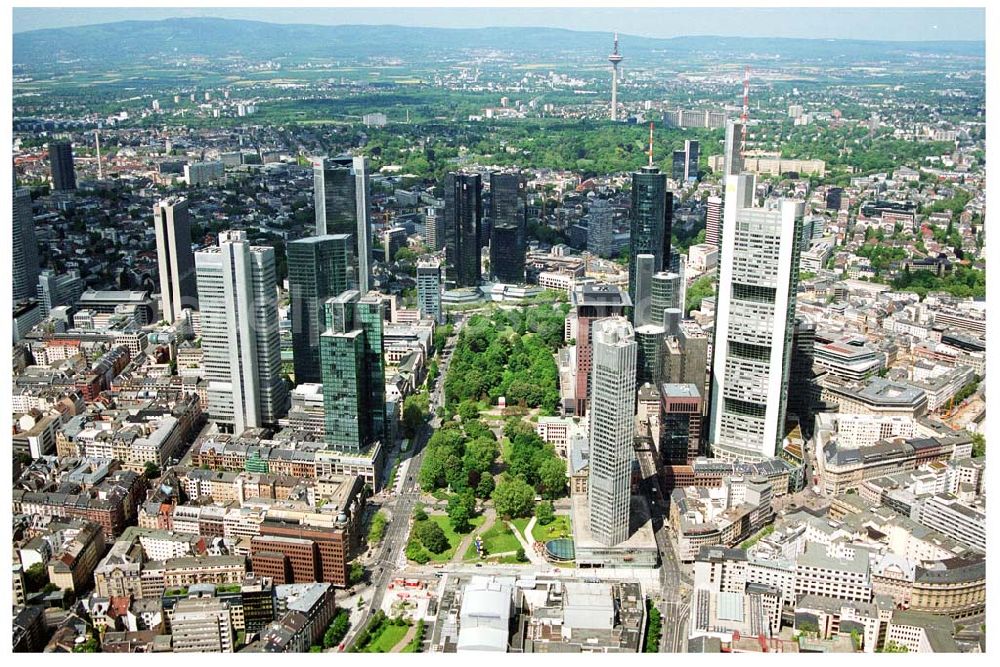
(61, 164)
(600, 231)
(319, 267)
(429, 290)
(591, 302)
(506, 262)
(755, 311)
(652, 211)
(800, 375)
(25, 250)
(238, 301)
(178, 287)
(678, 165)
(649, 340)
(691, 153)
(612, 430)
(463, 214)
(680, 423)
(665, 288)
(341, 195)
(508, 217)
(713, 221)
(733, 158)
(434, 227)
(642, 300)
(351, 350)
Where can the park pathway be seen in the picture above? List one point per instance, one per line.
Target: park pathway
(529, 550)
(490, 517)
(407, 638)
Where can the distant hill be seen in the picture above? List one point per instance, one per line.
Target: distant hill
(136, 41)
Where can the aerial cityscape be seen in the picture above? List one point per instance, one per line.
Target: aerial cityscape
(406, 336)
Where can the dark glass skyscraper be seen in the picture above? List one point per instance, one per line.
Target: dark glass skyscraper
(652, 211)
(353, 372)
(341, 197)
(319, 267)
(463, 213)
(25, 249)
(508, 215)
(61, 163)
(506, 261)
(678, 165)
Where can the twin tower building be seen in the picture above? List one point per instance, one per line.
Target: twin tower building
(336, 321)
(750, 358)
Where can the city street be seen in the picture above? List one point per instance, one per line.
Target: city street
(390, 557)
(675, 588)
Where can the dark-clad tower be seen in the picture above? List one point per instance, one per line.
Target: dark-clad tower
(508, 214)
(652, 210)
(463, 213)
(61, 164)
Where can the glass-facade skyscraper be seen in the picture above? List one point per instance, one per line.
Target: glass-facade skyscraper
(25, 250)
(508, 217)
(652, 212)
(353, 373)
(342, 199)
(463, 214)
(61, 164)
(319, 268)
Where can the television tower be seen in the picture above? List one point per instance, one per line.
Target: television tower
(614, 59)
(745, 117)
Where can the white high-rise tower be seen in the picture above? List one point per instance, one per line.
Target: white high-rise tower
(612, 428)
(755, 309)
(615, 58)
(237, 293)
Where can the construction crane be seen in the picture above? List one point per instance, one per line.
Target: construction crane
(745, 117)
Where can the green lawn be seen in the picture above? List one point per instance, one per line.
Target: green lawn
(388, 637)
(560, 527)
(521, 524)
(454, 539)
(499, 539)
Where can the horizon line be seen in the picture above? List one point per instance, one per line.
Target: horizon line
(489, 27)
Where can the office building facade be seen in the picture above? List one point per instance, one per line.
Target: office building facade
(755, 311)
(651, 215)
(237, 295)
(341, 194)
(178, 287)
(353, 371)
(25, 250)
(319, 267)
(600, 230)
(463, 213)
(429, 290)
(61, 165)
(612, 429)
(591, 302)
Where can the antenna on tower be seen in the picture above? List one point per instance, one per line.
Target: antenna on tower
(745, 117)
(650, 144)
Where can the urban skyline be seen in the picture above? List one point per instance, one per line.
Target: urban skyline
(389, 339)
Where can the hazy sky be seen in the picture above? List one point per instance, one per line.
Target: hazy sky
(845, 23)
